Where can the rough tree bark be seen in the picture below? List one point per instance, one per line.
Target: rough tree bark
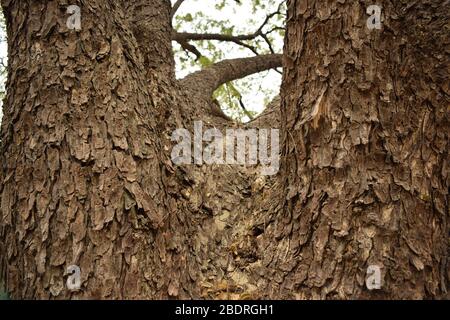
(82, 181)
(365, 130)
(87, 179)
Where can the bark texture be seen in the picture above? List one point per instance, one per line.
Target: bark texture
(87, 177)
(365, 158)
(81, 162)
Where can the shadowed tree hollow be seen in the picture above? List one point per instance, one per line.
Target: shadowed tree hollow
(87, 177)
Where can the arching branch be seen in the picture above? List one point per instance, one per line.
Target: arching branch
(175, 8)
(149, 21)
(180, 36)
(210, 78)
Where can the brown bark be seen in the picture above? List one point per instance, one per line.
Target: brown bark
(87, 179)
(151, 24)
(175, 8)
(365, 131)
(83, 180)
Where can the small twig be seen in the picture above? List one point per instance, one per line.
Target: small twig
(247, 113)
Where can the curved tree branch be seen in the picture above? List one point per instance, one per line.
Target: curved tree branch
(210, 78)
(175, 8)
(191, 48)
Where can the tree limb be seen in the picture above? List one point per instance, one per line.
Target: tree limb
(210, 78)
(186, 46)
(175, 8)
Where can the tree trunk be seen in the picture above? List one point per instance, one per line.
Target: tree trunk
(82, 177)
(365, 159)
